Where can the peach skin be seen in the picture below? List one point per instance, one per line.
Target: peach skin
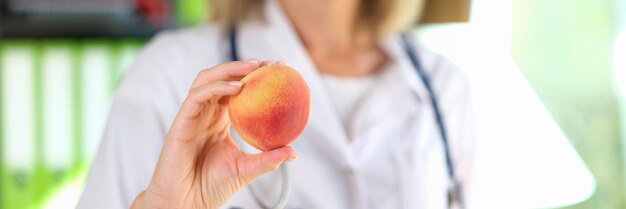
(272, 108)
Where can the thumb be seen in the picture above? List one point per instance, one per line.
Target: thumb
(253, 166)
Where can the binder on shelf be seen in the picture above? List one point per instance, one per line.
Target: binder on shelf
(18, 124)
(58, 111)
(95, 97)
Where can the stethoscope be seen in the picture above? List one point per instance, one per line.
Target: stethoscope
(455, 194)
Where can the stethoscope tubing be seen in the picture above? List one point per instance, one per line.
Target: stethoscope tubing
(454, 193)
(284, 192)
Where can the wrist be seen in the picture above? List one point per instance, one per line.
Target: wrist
(147, 201)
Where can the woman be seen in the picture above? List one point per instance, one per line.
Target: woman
(372, 140)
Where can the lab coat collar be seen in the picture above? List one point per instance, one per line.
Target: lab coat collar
(408, 73)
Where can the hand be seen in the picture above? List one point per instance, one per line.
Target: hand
(200, 165)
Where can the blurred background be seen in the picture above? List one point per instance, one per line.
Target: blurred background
(61, 60)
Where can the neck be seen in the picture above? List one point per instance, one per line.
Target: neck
(328, 30)
(327, 26)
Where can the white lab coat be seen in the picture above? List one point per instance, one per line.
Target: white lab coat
(394, 158)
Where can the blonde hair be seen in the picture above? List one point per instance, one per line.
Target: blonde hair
(383, 17)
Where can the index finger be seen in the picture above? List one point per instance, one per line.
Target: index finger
(226, 72)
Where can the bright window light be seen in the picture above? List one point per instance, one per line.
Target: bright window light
(524, 159)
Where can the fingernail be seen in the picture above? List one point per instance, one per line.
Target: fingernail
(253, 61)
(235, 83)
(292, 158)
(266, 63)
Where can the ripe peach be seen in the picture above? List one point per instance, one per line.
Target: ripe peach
(272, 108)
